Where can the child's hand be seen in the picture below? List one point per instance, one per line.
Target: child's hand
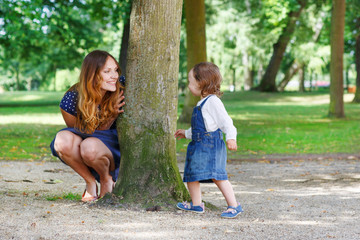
(179, 134)
(231, 144)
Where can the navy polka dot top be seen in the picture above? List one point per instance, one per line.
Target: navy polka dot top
(69, 101)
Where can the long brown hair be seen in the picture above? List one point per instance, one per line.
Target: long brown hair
(93, 109)
(209, 78)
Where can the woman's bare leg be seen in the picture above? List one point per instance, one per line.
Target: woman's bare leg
(97, 155)
(67, 146)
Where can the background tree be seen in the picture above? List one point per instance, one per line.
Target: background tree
(40, 37)
(228, 44)
(124, 43)
(304, 46)
(195, 48)
(115, 13)
(268, 83)
(357, 65)
(352, 40)
(148, 168)
(40, 40)
(336, 108)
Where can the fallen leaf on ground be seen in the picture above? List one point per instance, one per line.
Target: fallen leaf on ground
(29, 181)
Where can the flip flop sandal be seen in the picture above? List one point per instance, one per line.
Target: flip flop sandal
(87, 197)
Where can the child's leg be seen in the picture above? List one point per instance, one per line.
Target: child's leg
(228, 192)
(195, 192)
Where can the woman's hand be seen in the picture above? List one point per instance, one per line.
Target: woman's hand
(120, 102)
(231, 144)
(179, 134)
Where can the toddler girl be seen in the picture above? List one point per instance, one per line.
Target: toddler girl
(206, 153)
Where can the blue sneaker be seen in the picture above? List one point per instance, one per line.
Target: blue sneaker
(189, 207)
(232, 212)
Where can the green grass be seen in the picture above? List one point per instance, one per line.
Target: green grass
(289, 123)
(67, 196)
(27, 141)
(32, 98)
(267, 123)
(28, 123)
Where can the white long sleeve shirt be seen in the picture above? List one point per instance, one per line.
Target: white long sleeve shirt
(215, 116)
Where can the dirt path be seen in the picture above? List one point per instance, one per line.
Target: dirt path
(316, 199)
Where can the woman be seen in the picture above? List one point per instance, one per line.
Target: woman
(89, 144)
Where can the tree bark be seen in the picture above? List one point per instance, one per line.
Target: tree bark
(336, 108)
(54, 78)
(302, 78)
(293, 69)
(310, 81)
(357, 66)
(196, 48)
(124, 45)
(248, 77)
(259, 74)
(268, 83)
(148, 169)
(295, 64)
(17, 71)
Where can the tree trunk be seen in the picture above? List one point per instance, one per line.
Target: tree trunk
(233, 78)
(17, 74)
(196, 48)
(17, 69)
(310, 81)
(248, 82)
(124, 46)
(148, 169)
(357, 66)
(55, 78)
(268, 83)
(296, 65)
(293, 69)
(347, 80)
(336, 108)
(302, 78)
(259, 73)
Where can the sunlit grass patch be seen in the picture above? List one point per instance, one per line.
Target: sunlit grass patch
(288, 123)
(267, 123)
(24, 98)
(26, 141)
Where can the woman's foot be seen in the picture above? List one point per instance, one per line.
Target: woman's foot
(90, 193)
(106, 187)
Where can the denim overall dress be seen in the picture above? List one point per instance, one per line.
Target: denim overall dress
(206, 154)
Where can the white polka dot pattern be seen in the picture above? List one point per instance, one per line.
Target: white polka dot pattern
(69, 101)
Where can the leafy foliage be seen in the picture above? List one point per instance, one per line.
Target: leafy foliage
(267, 124)
(39, 37)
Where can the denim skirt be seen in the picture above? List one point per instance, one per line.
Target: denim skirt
(206, 158)
(108, 137)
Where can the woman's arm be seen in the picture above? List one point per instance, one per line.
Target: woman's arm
(68, 118)
(107, 125)
(118, 105)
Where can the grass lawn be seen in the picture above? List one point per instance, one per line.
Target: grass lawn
(33, 98)
(289, 123)
(267, 123)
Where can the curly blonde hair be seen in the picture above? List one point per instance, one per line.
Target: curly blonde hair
(208, 77)
(94, 109)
